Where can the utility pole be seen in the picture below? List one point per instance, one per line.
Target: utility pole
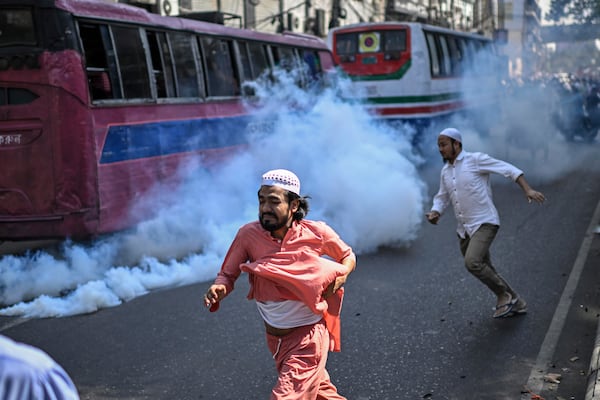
(336, 6)
(307, 6)
(389, 10)
(280, 28)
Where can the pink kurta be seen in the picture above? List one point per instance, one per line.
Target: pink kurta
(305, 276)
(291, 269)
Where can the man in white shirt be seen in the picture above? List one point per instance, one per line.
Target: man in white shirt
(465, 183)
(28, 373)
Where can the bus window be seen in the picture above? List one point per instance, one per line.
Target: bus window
(246, 63)
(312, 64)
(285, 57)
(445, 55)
(472, 52)
(346, 47)
(455, 55)
(310, 68)
(102, 74)
(465, 57)
(132, 62)
(394, 43)
(259, 57)
(186, 68)
(433, 54)
(14, 96)
(16, 27)
(162, 68)
(220, 74)
(254, 60)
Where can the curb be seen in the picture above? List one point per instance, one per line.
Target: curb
(593, 389)
(593, 377)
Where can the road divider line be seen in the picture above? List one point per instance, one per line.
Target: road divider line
(13, 323)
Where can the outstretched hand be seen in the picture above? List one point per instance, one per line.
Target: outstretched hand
(214, 294)
(534, 195)
(433, 217)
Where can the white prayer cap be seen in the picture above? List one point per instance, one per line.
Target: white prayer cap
(452, 133)
(282, 178)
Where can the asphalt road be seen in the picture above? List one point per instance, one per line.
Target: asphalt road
(415, 324)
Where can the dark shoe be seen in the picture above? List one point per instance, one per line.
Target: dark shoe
(519, 308)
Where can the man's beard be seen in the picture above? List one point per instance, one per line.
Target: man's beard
(272, 226)
(446, 160)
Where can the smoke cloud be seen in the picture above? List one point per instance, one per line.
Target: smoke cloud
(362, 175)
(362, 178)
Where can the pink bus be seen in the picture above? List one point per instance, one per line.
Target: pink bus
(99, 101)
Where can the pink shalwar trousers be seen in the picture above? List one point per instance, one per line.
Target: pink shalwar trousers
(300, 358)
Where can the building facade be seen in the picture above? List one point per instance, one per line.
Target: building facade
(520, 22)
(514, 23)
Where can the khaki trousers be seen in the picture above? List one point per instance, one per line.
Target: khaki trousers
(476, 251)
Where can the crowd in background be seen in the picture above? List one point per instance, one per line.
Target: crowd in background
(572, 101)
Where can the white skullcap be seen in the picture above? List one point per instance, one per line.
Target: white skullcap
(282, 178)
(452, 133)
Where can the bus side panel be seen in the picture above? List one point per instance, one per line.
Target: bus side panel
(137, 155)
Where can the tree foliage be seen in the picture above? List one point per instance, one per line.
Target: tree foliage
(575, 58)
(580, 11)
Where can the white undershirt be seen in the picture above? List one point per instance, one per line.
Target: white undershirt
(287, 313)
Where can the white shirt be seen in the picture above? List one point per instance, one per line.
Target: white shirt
(28, 373)
(466, 184)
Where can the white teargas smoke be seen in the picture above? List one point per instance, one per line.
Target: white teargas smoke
(362, 179)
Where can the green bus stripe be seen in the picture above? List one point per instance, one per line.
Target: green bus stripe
(415, 99)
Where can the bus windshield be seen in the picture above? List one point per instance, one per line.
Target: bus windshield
(371, 42)
(16, 27)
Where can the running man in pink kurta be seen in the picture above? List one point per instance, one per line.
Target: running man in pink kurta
(298, 292)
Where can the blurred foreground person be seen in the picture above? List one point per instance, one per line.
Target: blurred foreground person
(465, 183)
(297, 291)
(27, 373)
